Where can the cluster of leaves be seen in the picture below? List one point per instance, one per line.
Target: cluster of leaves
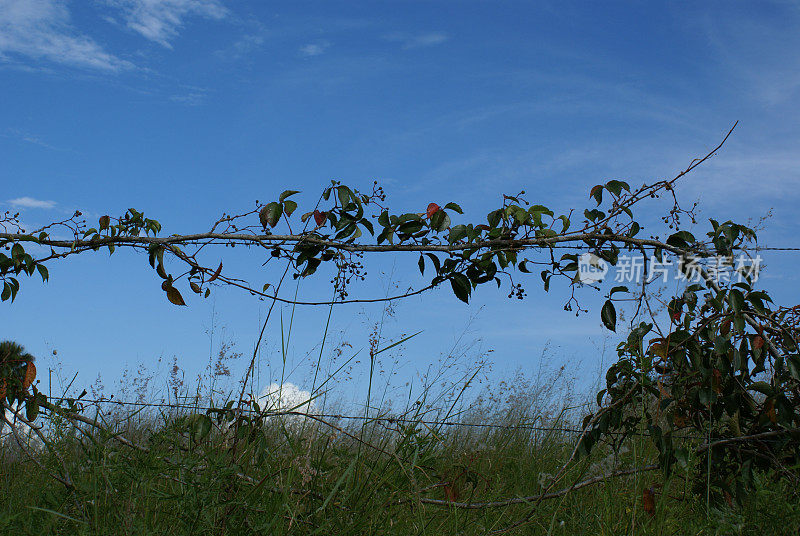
(465, 255)
(11, 266)
(726, 368)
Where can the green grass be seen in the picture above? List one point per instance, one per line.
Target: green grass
(316, 479)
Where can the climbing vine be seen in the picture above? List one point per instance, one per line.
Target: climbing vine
(719, 360)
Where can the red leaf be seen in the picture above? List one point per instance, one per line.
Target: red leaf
(216, 274)
(758, 342)
(30, 375)
(319, 217)
(433, 208)
(649, 501)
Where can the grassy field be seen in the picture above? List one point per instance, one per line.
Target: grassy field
(360, 477)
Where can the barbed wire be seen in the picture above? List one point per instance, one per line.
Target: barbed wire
(744, 248)
(380, 419)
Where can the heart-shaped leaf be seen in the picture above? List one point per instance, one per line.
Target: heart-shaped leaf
(270, 214)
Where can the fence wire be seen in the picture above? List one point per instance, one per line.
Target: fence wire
(379, 419)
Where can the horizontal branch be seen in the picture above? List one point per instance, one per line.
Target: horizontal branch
(343, 246)
(533, 498)
(743, 439)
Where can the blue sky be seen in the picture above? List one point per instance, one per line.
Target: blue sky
(188, 108)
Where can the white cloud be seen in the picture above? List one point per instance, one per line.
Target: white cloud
(410, 41)
(160, 20)
(314, 49)
(30, 202)
(41, 29)
(285, 397)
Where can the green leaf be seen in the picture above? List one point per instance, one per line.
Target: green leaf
(616, 187)
(32, 408)
(344, 195)
(289, 207)
(494, 218)
(681, 239)
(270, 214)
(160, 271)
(762, 387)
(286, 194)
(454, 207)
(736, 299)
(410, 227)
(43, 272)
(421, 264)
(435, 260)
(597, 193)
(457, 233)
(17, 251)
(461, 287)
(440, 221)
(609, 316)
(594, 214)
(199, 426)
(540, 209)
(311, 267)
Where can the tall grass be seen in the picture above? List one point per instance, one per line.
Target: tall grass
(446, 458)
(374, 476)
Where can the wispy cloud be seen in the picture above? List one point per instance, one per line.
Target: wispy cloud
(758, 49)
(41, 30)
(28, 138)
(314, 49)
(161, 20)
(409, 41)
(191, 96)
(30, 202)
(241, 47)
